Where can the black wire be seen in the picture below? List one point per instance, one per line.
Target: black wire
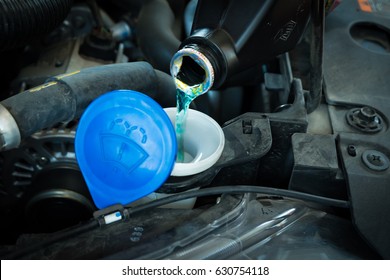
(239, 190)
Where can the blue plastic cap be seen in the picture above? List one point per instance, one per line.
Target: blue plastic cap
(125, 146)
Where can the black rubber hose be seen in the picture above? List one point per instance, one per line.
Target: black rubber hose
(24, 20)
(313, 99)
(65, 97)
(155, 34)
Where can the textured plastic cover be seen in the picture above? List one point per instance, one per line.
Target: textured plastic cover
(125, 146)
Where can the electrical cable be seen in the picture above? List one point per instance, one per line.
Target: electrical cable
(239, 190)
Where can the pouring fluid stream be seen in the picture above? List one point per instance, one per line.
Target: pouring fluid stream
(184, 96)
(183, 102)
(193, 75)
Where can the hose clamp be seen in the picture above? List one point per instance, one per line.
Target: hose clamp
(9, 130)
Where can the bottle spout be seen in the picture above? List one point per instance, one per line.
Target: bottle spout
(192, 71)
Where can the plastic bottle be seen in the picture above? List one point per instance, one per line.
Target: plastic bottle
(230, 37)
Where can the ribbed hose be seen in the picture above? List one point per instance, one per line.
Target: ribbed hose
(23, 20)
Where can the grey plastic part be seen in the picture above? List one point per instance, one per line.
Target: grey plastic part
(274, 229)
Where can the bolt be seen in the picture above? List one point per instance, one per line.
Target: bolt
(43, 161)
(367, 114)
(365, 119)
(375, 160)
(351, 149)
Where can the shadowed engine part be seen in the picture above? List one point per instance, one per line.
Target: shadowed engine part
(22, 21)
(155, 33)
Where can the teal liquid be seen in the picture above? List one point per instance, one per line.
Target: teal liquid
(185, 94)
(183, 101)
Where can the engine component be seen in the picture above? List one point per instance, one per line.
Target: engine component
(58, 52)
(98, 45)
(356, 67)
(27, 19)
(375, 160)
(71, 93)
(315, 156)
(365, 119)
(43, 176)
(266, 128)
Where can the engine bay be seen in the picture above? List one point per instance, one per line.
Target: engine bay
(304, 173)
